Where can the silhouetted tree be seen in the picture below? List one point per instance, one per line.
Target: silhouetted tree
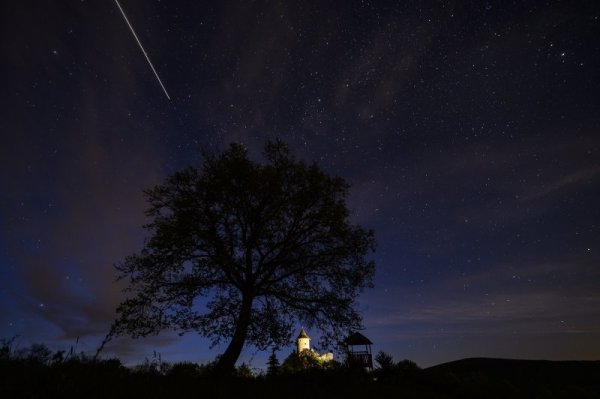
(265, 244)
(273, 364)
(244, 371)
(407, 365)
(384, 361)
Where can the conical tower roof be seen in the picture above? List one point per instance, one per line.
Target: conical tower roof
(303, 334)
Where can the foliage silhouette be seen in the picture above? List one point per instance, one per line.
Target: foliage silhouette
(306, 360)
(85, 376)
(38, 353)
(6, 347)
(273, 366)
(297, 362)
(387, 371)
(265, 244)
(384, 361)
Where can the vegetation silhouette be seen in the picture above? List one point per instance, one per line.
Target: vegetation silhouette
(36, 371)
(273, 366)
(267, 244)
(306, 360)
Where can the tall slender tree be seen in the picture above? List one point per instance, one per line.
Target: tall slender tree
(273, 364)
(242, 250)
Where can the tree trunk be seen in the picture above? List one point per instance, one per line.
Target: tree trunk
(226, 363)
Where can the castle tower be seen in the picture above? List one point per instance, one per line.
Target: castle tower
(303, 341)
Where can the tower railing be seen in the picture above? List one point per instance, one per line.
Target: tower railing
(361, 359)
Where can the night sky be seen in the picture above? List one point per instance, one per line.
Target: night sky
(469, 132)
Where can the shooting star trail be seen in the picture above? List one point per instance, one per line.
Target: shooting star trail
(143, 51)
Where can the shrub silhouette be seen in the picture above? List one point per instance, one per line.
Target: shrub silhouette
(28, 374)
(384, 361)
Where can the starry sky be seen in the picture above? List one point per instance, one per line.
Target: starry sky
(469, 132)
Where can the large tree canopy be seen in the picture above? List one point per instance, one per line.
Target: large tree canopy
(241, 251)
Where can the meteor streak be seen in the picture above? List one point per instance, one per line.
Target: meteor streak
(143, 51)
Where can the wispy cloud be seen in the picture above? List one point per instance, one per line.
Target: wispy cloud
(580, 177)
(510, 298)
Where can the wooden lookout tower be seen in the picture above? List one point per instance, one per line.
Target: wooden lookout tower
(359, 351)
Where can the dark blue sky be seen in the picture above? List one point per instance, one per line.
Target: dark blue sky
(469, 131)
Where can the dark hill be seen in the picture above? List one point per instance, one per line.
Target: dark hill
(554, 378)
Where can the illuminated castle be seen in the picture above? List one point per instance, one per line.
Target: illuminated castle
(303, 344)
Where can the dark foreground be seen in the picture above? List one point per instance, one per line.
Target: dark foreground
(469, 378)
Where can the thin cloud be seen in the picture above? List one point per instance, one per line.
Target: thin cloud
(580, 177)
